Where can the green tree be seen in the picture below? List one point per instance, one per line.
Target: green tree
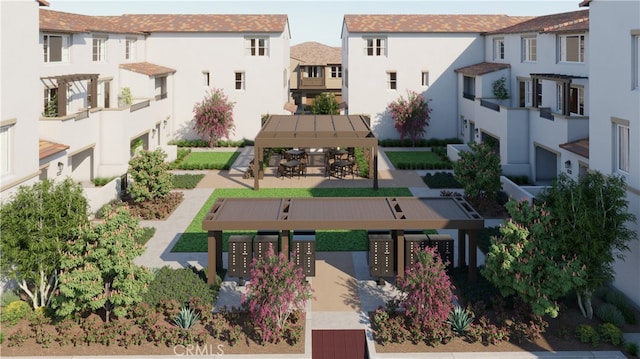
(526, 261)
(479, 172)
(590, 218)
(35, 226)
(150, 176)
(214, 116)
(97, 270)
(325, 104)
(410, 116)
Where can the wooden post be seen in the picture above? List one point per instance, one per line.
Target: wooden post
(284, 246)
(398, 239)
(214, 255)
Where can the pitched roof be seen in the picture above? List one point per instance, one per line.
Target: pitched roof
(75, 23)
(482, 68)
(429, 23)
(579, 147)
(147, 68)
(567, 21)
(129, 23)
(48, 148)
(314, 53)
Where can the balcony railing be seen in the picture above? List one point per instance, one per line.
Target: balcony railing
(490, 105)
(469, 96)
(139, 105)
(314, 82)
(545, 112)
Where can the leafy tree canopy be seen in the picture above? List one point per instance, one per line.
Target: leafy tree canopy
(150, 176)
(325, 104)
(410, 116)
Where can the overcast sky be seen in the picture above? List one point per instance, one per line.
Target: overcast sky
(316, 20)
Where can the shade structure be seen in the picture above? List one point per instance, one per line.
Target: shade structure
(317, 131)
(396, 214)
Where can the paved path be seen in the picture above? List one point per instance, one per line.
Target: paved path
(344, 290)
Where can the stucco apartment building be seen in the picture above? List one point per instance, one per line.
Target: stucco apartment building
(315, 68)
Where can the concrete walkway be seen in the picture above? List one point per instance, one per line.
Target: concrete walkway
(344, 290)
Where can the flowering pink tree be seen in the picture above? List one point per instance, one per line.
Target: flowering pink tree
(410, 116)
(214, 116)
(276, 290)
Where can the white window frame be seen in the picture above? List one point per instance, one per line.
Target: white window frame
(580, 100)
(336, 71)
(424, 79)
(64, 47)
(392, 80)
(375, 46)
(635, 61)
(161, 87)
(498, 48)
(564, 51)
(560, 100)
(130, 45)
(206, 79)
(6, 150)
(257, 46)
(528, 93)
(622, 148)
(99, 49)
(240, 81)
(314, 72)
(529, 49)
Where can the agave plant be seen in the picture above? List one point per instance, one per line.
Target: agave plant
(187, 318)
(459, 319)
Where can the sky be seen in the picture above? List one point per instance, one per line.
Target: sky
(316, 20)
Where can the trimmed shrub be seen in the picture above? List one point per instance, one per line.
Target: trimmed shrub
(186, 181)
(146, 235)
(149, 175)
(441, 180)
(631, 348)
(608, 313)
(180, 285)
(8, 297)
(14, 312)
(587, 334)
(609, 333)
(101, 181)
(621, 302)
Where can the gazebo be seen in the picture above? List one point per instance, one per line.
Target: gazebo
(316, 131)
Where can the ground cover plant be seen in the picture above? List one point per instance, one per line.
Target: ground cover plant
(186, 181)
(194, 239)
(209, 160)
(417, 160)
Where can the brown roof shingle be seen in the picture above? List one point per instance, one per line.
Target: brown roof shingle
(482, 68)
(147, 68)
(579, 147)
(129, 23)
(314, 53)
(429, 23)
(48, 148)
(567, 21)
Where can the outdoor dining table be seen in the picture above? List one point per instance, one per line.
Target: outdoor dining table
(341, 167)
(290, 167)
(295, 154)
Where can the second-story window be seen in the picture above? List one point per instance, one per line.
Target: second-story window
(498, 48)
(130, 49)
(206, 78)
(240, 85)
(572, 48)
(161, 87)
(469, 87)
(392, 80)
(99, 49)
(576, 100)
(424, 79)
(622, 149)
(56, 48)
(257, 46)
(314, 71)
(336, 71)
(376, 46)
(524, 93)
(529, 49)
(635, 60)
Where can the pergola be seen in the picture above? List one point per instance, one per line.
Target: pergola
(396, 214)
(316, 131)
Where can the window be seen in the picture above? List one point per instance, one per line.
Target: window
(104, 90)
(257, 46)
(56, 48)
(576, 100)
(560, 98)
(529, 49)
(636, 59)
(424, 79)
(336, 71)
(99, 49)
(498, 49)
(622, 150)
(346, 78)
(5, 150)
(314, 71)
(469, 87)
(161, 88)
(240, 81)
(525, 93)
(206, 79)
(376, 46)
(392, 81)
(572, 48)
(539, 94)
(130, 49)
(50, 108)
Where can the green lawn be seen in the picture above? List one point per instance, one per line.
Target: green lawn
(214, 160)
(416, 160)
(194, 239)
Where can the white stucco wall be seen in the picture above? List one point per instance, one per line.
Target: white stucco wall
(18, 89)
(613, 95)
(409, 55)
(222, 55)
